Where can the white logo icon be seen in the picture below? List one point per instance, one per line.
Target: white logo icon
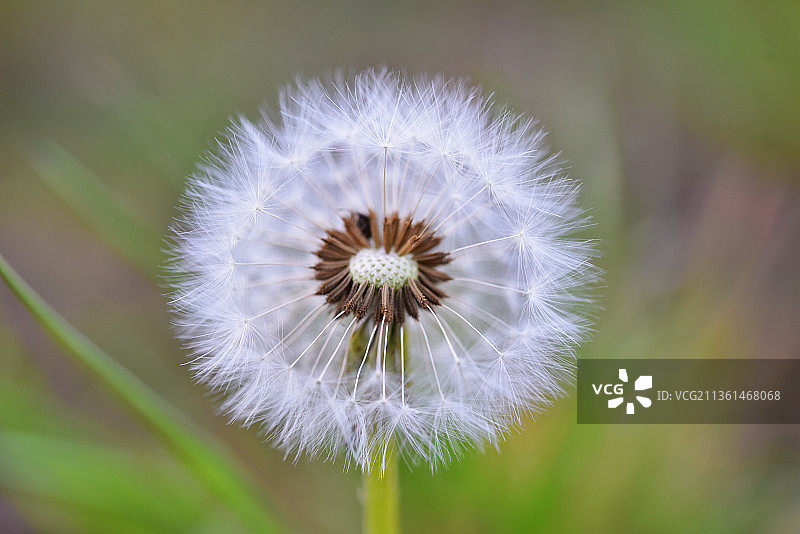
(642, 383)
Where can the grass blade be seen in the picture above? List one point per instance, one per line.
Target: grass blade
(205, 459)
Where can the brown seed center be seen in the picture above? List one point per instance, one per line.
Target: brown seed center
(402, 240)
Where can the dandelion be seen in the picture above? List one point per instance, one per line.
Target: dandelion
(387, 264)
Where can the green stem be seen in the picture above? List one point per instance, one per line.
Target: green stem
(201, 455)
(381, 496)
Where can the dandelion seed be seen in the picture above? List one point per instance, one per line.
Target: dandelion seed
(386, 260)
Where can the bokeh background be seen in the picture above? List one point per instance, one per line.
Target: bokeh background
(681, 118)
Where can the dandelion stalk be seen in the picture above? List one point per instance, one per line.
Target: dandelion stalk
(381, 496)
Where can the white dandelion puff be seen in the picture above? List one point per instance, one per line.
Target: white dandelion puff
(384, 261)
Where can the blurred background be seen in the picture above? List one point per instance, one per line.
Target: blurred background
(681, 119)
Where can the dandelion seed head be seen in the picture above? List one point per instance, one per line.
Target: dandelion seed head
(384, 259)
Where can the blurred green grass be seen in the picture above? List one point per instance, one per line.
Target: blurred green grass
(680, 118)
